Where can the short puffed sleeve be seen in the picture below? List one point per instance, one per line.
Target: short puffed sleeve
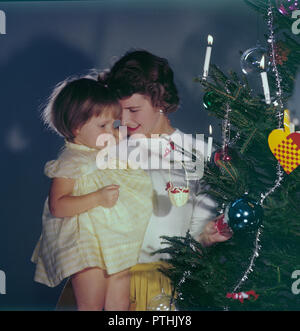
(70, 165)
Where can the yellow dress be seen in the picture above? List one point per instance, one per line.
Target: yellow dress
(109, 238)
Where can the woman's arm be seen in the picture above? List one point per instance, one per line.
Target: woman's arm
(63, 204)
(203, 220)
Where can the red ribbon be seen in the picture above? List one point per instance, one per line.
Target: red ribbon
(221, 225)
(172, 189)
(172, 144)
(169, 186)
(168, 151)
(242, 295)
(179, 190)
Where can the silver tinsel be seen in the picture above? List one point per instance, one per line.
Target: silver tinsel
(255, 254)
(280, 108)
(226, 128)
(279, 101)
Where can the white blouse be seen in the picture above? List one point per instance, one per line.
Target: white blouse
(169, 220)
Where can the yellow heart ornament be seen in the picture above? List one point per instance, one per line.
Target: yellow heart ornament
(285, 145)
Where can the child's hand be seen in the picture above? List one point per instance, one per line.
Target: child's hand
(108, 195)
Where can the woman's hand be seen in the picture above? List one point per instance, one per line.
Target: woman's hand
(211, 235)
(108, 195)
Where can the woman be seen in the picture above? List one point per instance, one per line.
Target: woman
(147, 93)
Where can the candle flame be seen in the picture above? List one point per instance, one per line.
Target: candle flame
(210, 129)
(262, 62)
(286, 121)
(210, 39)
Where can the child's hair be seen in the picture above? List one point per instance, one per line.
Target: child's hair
(74, 101)
(141, 72)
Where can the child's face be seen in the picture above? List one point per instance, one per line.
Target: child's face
(96, 126)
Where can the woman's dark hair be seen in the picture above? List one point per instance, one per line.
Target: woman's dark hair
(74, 102)
(141, 72)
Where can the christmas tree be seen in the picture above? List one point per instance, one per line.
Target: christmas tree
(254, 269)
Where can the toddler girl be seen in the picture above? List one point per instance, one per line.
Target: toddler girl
(94, 220)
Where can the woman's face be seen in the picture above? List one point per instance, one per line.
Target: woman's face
(140, 116)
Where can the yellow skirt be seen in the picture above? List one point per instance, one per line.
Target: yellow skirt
(147, 282)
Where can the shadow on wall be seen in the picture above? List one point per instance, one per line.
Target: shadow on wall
(26, 81)
(294, 103)
(190, 61)
(225, 54)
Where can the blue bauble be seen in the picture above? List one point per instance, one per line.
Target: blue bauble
(244, 215)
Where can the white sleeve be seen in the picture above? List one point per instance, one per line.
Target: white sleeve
(204, 210)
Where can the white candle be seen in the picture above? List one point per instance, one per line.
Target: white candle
(265, 82)
(209, 146)
(210, 40)
(286, 121)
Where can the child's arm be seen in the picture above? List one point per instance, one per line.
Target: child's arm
(63, 204)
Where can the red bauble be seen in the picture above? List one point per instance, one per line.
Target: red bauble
(221, 155)
(226, 158)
